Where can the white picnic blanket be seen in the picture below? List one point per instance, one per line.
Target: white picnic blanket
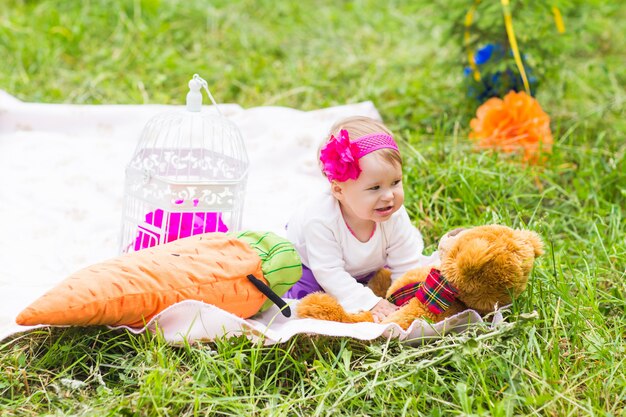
(61, 190)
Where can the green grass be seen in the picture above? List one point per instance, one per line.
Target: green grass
(567, 360)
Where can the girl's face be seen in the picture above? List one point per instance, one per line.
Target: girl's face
(375, 195)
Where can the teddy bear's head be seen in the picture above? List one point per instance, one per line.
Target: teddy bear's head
(489, 265)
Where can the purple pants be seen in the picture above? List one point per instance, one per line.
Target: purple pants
(308, 284)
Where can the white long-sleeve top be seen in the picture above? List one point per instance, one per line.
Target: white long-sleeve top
(336, 256)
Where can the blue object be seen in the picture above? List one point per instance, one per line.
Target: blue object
(494, 80)
(483, 54)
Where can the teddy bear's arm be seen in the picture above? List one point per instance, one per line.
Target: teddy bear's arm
(409, 312)
(324, 306)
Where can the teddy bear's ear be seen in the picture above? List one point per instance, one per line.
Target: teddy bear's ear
(533, 239)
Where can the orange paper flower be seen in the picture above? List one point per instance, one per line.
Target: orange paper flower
(516, 123)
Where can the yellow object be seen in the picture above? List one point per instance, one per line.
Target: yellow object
(508, 23)
(469, 18)
(558, 19)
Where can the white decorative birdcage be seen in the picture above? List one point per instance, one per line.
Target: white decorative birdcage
(187, 176)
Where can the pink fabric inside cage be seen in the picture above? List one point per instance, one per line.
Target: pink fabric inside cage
(177, 225)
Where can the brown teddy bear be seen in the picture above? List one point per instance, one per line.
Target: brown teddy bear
(481, 268)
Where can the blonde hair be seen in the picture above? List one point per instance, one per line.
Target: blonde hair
(358, 126)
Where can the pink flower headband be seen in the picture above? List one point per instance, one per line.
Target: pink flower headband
(340, 157)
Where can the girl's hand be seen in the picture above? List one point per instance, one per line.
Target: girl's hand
(382, 309)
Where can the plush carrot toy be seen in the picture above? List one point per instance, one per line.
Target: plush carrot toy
(231, 271)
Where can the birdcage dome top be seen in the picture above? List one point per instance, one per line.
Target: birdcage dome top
(191, 145)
